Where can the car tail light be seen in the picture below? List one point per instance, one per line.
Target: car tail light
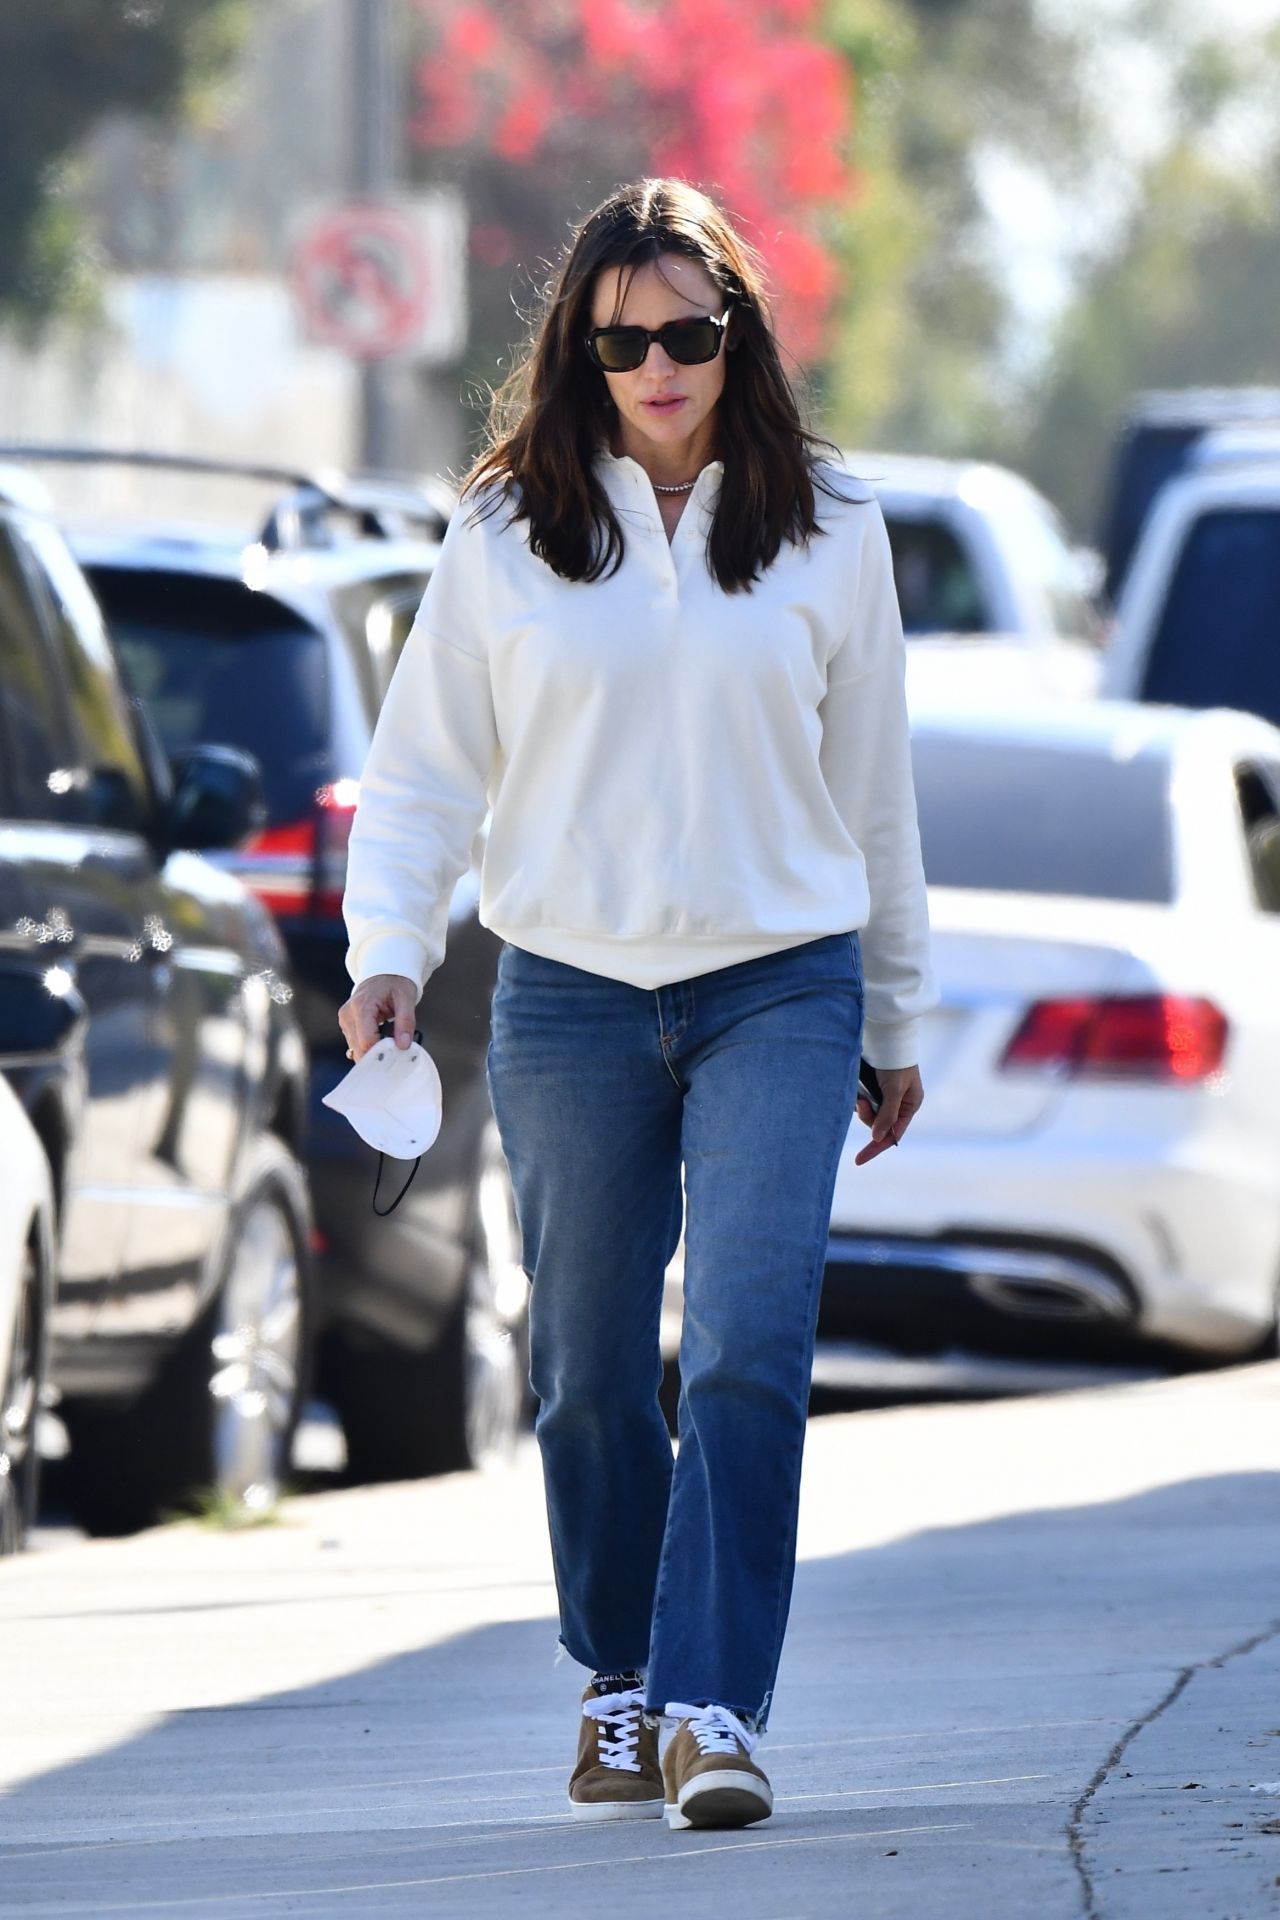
(335, 810)
(1159, 1036)
(301, 867)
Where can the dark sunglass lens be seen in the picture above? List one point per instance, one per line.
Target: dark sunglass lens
(691, 341)
(621, 349)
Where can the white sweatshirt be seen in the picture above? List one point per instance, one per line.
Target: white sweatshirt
(680, 778)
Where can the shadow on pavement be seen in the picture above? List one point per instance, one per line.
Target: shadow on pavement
(945, 1703)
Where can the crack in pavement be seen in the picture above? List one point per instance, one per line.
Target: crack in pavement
(1075, 1836)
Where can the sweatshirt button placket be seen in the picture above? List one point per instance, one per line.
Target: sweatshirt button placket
(666, 561)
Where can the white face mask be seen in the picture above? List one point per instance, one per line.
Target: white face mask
(392, 1098)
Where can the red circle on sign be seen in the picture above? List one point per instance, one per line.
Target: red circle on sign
(361, 280)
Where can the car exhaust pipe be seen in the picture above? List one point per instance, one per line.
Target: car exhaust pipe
(1056, 1292)
(1035, 1283)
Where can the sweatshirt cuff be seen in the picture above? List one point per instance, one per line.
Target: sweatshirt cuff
(891, 1043)
(390, 953)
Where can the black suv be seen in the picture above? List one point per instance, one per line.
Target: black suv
(146, 1026)
(279, 638)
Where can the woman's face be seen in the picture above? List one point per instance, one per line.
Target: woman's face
(662, 407)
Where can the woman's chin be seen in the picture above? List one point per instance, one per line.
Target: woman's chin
(673, 429)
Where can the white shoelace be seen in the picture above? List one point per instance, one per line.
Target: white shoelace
(622, 1712)
(715, 1729)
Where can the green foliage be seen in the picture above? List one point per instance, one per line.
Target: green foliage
(1186, 296)
(65, 65)
(218, 1510)
(879, 234)
(921, 311)
(1186, 300)
(925, 310)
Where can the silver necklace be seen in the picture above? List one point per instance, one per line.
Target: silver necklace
(682, 488)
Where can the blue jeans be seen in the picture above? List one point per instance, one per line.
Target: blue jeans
(601, 1091)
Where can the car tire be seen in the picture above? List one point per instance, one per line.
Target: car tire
(216, 1427)
(463, 1403)
(20, 1405)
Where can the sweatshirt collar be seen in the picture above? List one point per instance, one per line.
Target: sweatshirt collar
(630, 488)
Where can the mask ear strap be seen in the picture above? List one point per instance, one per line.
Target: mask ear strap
(382, 1212)
(386, 1028)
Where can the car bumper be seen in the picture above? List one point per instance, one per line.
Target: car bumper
(1039, 1299)
(1094, 1249)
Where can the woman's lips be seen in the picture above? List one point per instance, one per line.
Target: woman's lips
(664, 406)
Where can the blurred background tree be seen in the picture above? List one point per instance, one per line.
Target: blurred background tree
(874, 149)
(918, 357)
(539, 107)
(64, 66)
(843, 134)
(1187, 292)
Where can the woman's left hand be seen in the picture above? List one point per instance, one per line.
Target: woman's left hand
(903, 1098)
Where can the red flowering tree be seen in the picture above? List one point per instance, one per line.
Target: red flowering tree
(543, 105)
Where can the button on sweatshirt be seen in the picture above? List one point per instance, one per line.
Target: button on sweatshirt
(676, 778)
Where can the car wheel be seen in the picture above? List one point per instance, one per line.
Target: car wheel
(19, 1410)
(217, 1425)
(462, 1404)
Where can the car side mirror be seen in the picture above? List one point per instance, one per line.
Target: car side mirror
(217, 799)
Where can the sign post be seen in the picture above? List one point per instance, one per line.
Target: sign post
(384, 280)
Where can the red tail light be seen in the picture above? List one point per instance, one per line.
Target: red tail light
(301, 868)
(335, 810)
(1141, 1036)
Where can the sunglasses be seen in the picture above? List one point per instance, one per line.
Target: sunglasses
(689, 343)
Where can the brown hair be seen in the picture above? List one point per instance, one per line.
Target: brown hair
(553, 412)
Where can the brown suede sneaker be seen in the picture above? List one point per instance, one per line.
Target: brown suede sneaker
(617, 1776)
(708, 1773)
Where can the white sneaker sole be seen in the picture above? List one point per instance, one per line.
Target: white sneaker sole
(721, 1799)
(615, 1809)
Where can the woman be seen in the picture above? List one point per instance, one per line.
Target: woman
(662, 645)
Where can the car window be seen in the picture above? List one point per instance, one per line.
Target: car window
(376, 613)
(115, 790)
(394, 617)
(220, 664)
(1019, 817)
(36, 737)
(938, 590)
(1258, 797)
(1217, 641)
(1044, 553)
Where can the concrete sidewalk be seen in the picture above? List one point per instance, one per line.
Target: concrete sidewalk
(1033, 1671)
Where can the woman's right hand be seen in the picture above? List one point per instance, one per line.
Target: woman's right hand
(383, 996)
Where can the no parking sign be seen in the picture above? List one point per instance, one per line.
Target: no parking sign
(384, 279)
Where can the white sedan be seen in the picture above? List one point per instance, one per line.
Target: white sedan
(1095, 1172)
